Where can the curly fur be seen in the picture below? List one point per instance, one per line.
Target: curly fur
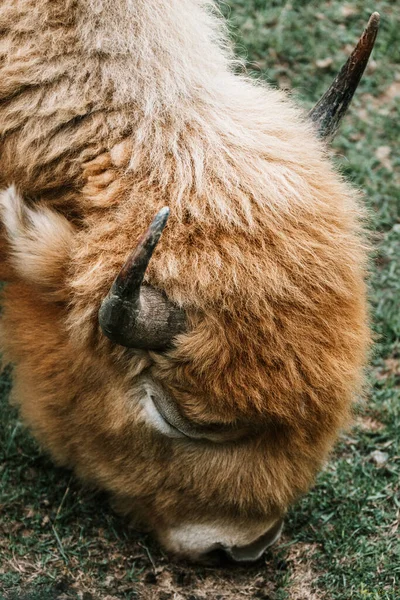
(110, 110)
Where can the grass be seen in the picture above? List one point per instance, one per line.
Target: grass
(342, 540)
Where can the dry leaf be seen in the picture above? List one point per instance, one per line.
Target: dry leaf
(324, 63)
(379, 458)
(348, 11)
(382, 154)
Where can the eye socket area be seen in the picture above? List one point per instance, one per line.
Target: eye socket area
(163, 414)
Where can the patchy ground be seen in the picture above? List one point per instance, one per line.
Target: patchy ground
(341, 542)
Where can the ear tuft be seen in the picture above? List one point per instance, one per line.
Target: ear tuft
(11, 209)
(39, 240)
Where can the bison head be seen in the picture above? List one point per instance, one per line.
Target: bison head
(203, 387)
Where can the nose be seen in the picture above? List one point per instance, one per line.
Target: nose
(221, 542)
(248, 553)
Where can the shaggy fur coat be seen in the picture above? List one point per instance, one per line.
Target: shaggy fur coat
(110, 110)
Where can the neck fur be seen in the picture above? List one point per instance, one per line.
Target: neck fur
(82, 75)
(161, 51)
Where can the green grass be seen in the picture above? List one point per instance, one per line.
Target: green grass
(58, 540)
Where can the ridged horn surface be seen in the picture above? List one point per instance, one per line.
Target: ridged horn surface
(136, 315)
(332, 107)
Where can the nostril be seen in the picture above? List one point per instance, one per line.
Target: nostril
(256, 549)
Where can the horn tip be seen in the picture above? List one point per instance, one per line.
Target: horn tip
(161, 218)
(162, 215)
(164, 212)
(374, 21)
(159, 222)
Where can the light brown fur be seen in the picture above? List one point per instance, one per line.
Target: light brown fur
(109, 111)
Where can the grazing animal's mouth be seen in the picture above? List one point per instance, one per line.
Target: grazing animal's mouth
(256, 549)
(244, 554)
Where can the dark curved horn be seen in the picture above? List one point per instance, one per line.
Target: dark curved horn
(136, 315)
(329, 111)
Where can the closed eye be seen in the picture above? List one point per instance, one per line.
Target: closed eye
(159, 421)
(163, 413)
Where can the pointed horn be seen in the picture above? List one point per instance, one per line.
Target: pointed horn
(329, 111)
(138, 316)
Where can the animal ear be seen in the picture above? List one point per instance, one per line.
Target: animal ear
(38, 242)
